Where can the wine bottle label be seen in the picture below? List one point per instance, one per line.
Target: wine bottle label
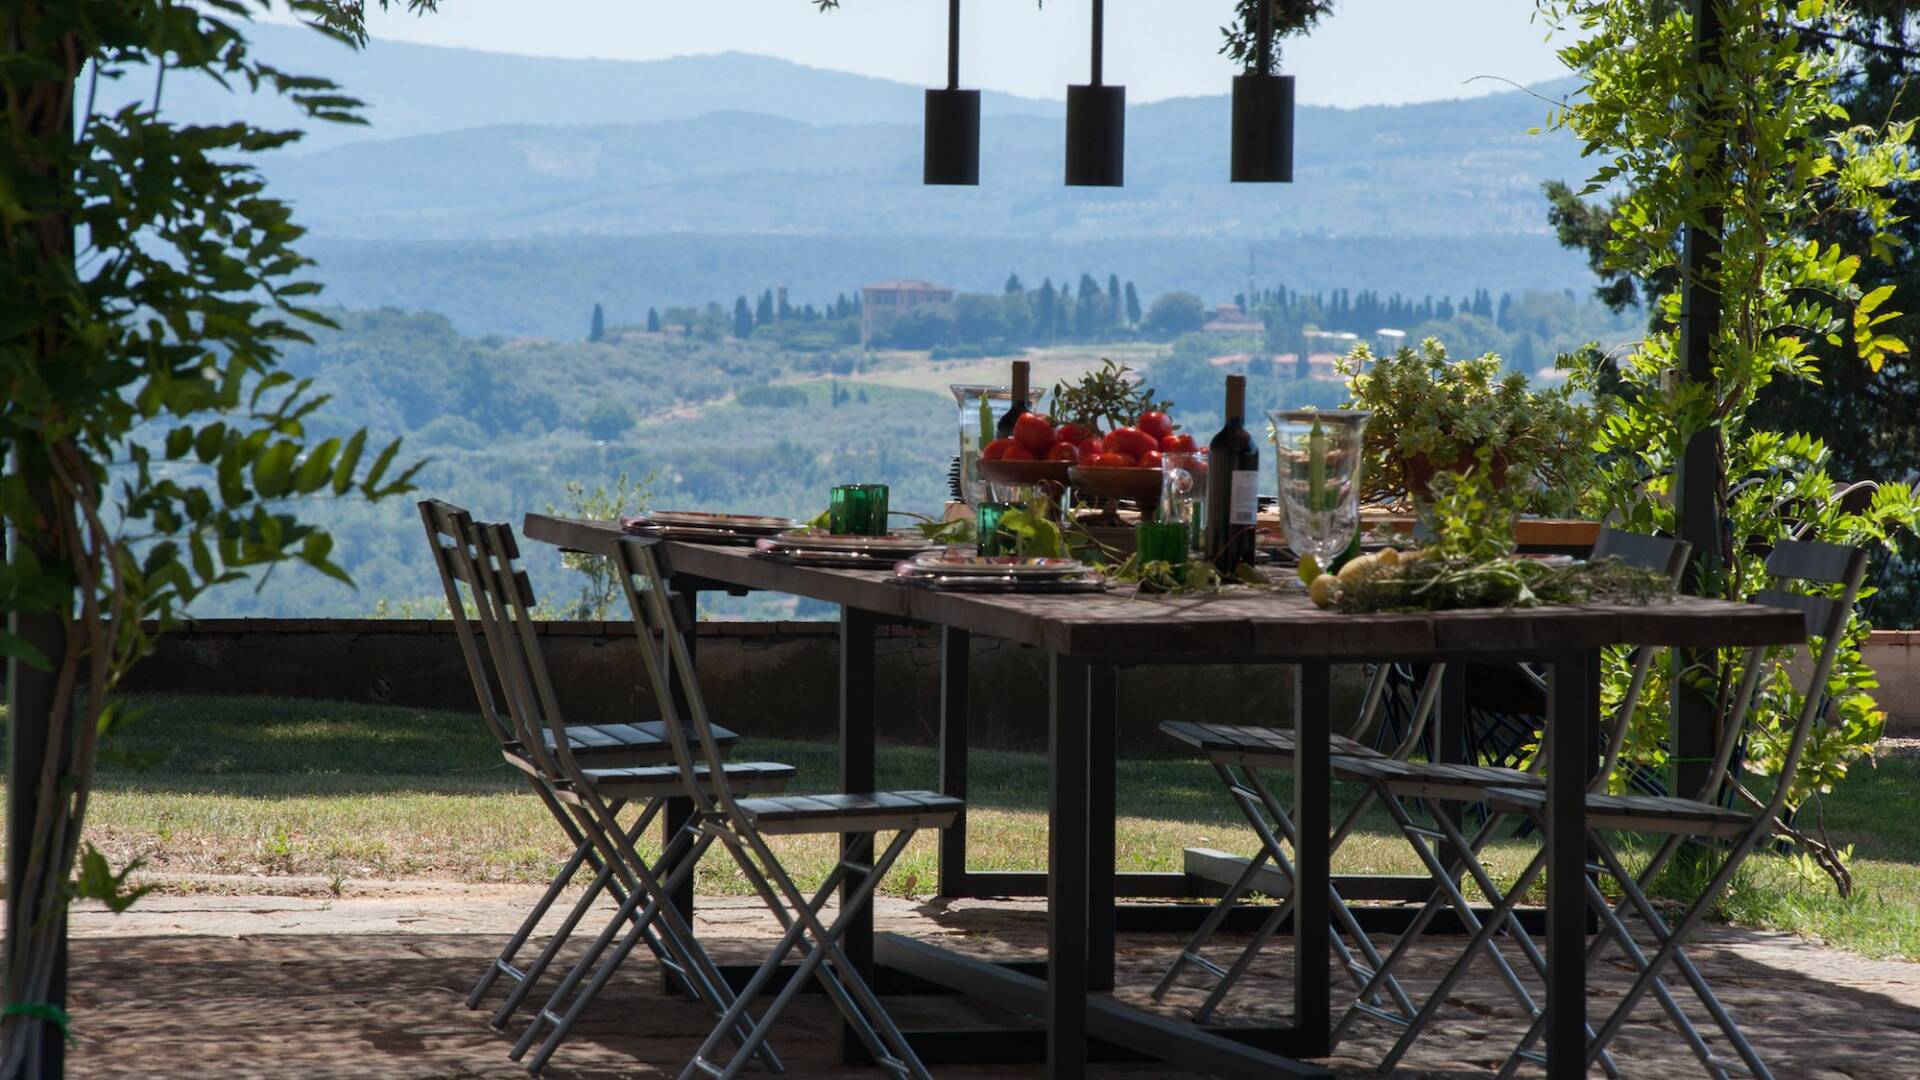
(1246, 497)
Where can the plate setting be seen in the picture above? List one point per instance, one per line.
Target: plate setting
(893, 545)
(963, 571)
(700, 527)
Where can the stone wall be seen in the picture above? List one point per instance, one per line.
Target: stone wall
(774, 679)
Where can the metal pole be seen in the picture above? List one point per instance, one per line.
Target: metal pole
(1696, 481)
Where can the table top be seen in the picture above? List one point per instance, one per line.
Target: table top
(1233, 625)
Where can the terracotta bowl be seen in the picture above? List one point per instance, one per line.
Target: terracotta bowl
(1139, 485)
(1024, 472)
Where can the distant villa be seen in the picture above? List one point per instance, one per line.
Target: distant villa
(882, 305)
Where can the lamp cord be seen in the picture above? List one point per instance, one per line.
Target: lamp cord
(1099, 39)
(953, 44)
(1266, 36)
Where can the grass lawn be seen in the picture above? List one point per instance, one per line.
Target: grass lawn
(339, 791)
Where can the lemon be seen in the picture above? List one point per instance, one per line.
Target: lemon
(1387, 557)
(1324, 591)
(1356, 569)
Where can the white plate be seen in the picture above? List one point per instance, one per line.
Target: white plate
(950, 563)
(821, 540)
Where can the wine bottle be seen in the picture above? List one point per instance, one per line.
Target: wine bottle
(1004, 429)
(1233, 485)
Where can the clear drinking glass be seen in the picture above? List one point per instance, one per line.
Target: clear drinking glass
(1183, 493)
(1319, 461)
(980, 410)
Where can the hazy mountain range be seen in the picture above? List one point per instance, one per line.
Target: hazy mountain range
(511, 192)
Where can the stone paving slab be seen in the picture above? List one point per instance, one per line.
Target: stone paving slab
(373, 983)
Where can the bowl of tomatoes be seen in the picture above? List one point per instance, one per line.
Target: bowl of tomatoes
(1121, 464)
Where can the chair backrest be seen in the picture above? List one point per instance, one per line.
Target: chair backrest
(449, 536)
(1836, 571)
(505, 607)
(659, 616)
(1663, 555)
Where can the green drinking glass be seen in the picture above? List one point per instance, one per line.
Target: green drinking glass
(986, 523)
(1162, 541)
(858, 510)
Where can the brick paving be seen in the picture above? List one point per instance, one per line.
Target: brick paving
(372, 984)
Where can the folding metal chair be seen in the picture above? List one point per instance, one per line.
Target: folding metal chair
(595, 796)
(1838, 571)
(1706, 817)
(742, 825)
(1238, 756)
(1401, 785)
(449, 535)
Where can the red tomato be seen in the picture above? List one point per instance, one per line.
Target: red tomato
(1066, 452)
(1112, 460)
(1033, 432)
(1178, 444)
(1156, 424)
(1091, 447)
(1016, 452)
(1070, 433)
(995, 450)
(1150, 459)
(1131, 441)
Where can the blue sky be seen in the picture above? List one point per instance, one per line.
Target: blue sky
(1369, 52)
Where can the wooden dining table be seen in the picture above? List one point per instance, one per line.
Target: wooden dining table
(1086, 639)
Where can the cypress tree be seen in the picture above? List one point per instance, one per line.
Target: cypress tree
(653, 320)
(1133, 306)
(742, 318)
(597, 327)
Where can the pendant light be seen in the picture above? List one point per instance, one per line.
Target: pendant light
(1097, 122)
(953, 120)
(1263, 116)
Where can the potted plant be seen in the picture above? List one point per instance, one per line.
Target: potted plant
(1433, 414)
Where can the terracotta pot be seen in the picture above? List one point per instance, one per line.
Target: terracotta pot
(1421, 469)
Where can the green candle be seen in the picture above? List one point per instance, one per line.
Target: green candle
(1317, 467)
(986, 420)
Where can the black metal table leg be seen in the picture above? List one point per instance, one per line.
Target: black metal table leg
(1312, 817)
(1572, 716)
(955, 655)
(1103, 762)
(1068, 871)
(678, 811)
(857, 736)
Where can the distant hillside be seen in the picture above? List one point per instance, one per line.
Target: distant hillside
(512, 192)
(1457, 168)
(420, 89)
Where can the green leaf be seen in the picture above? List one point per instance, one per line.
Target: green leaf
(15, 647)
(349, 460)
(273, 469)
(95, 880)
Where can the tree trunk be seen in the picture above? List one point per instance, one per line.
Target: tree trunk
(36, 1046)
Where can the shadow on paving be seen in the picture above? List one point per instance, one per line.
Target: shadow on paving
(377, 1004)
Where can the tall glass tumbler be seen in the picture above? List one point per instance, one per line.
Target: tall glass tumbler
(980, 409)
(1183, 493)
(1319, 456)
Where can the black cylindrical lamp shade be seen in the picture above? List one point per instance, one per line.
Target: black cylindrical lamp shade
(1263, 129)
(1096, 136)
(953, 137)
